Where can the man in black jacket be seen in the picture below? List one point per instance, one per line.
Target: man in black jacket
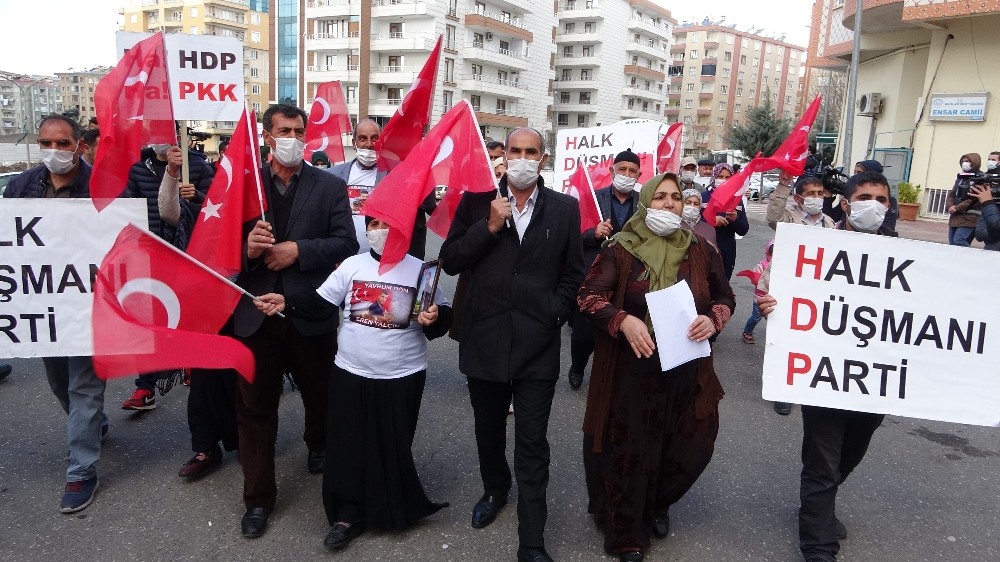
(307, 231)
(525, 263)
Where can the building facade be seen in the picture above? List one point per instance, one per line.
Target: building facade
(24, 100)
(917, 57)
(246, 20)
(716, 73)
(77, 91)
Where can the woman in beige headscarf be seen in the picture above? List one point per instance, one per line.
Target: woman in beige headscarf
(649, 433)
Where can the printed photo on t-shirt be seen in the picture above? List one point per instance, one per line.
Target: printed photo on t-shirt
(381, 305)
(357, 195)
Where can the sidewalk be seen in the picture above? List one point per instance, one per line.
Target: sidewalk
(920, 229)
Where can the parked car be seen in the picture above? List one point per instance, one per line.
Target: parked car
(5, 179)
(762, 188)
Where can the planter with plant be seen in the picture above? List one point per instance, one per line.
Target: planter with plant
(908, 205)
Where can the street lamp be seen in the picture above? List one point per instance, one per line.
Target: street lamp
(24, 114)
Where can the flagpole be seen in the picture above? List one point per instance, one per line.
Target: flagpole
(204, 267)
(255, 151)
(590, 185)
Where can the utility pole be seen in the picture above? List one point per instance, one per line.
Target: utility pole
(852, 87)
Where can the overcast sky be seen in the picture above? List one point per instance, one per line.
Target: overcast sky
(56, 35)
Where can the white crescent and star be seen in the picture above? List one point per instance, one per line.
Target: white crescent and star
(324, 142)
(444, 151)
(137, 79)
(210, 210)
(326, 110)
(227, 165)
(156, 289)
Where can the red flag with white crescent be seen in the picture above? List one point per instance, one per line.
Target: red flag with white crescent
(792, 154)
(406, 127)
(669, 150)
(581, 187)
(328, 121)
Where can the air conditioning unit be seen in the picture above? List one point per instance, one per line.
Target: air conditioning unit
(489, 36)
(870, 103)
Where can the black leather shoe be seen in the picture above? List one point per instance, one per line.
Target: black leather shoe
(783, 408)
(575, 380)
(341, 535)
(486, 510)
(631, 556)
(661, 526)
(532, 554)
(841, 529)
(254, 522)
(316, 462)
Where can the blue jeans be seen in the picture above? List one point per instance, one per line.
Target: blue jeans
(960, 235)
(755, 317)
(81, 395)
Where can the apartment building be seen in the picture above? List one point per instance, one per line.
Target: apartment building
(496, 53)
(24, 100)
(77, 91)
(246, 20)
(611, 61)
(716, 73)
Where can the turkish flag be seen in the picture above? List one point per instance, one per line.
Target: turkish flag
(328, 120)
(155, 309)
(792, 154)
(727, 196)
(668, 155)
(600, 173)
(406, 127)
(233, 199)
(581, 188)
(130, 116)
(453, 153)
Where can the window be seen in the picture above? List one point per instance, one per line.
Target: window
(134, 18)
(588, 50)
(720, 121)
(255, 37)
(449, 70)
(194, 30)
(476, 101)
(708, 70)
(693, 37)
(729, 39)
(581, 120)
(725, 72)
(586, 73)
(753, 77)
(255, 18)
(569, 27)
(589, 27)
(501, 107)
(739, 92)
(255, 89)
(752, 94)
(254, 72)
(566, 74)
(723, 89)
(756, 62)
(194, 12)
(692, 71)
(743, 59)
(777, 66)
(769, 48)
(450, 32)
(562, 119)
(676, 70)
(635, 59)
(563, 97)
(687, 104)
(690, 86)
(737, 109)
(774, 97)
(693, 54)
(781, 50)
(776, 83)
(256, 106)
(477, 71)
(568, 51)
(352, 94)
(585, 98)
(736, 123)
(253, 54)
(728, 57)
(788, 99)
(756, 45)
(722, 106)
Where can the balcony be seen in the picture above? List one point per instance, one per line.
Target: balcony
(637, 112)
(707, 78)
(485, 52)
(398, 8)
(331, 73)
(564, 37)
(676, 79)
(678, 48)
(399, 42)
(393, 75)
(241, 5)
(637, 92)
(333, 41)
(576, 84)
(703, 112)
(577, 60)
(706, 95)
(493, 86)
(701, 128)
(321, 9)
(236, 21)
(383, 107)
(646, 49)
(646, 25)
(575, 107)
(711, 45)
(644, 72)
(499, 23)
(501, 118)
(580, 10)
(887, 15)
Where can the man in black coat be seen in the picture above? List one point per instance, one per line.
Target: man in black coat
(525, 263)
(617, 202)
(306, 232)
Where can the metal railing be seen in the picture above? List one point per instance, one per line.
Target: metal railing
(497, 81)
(933, 203)
(497, 50)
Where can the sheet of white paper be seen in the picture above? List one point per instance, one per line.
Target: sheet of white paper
(672, 312)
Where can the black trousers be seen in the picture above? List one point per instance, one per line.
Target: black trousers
(532, 401)
(279, 348)
(833, 444)
(211, 409)
(582, 342)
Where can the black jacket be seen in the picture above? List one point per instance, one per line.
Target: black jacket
(988, 227)
(725, 236)
(31, 183)
(320, 223)
(144, 181)
(604, 196)
(520, 292)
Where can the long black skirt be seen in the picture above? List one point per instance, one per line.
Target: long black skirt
(370, 477)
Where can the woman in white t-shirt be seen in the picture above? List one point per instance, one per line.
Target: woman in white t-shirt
(370, 480)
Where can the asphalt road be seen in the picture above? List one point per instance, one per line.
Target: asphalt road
(926, 491)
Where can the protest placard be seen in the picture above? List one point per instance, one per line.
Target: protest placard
(883, 325)
(52, 251)
(593, 145)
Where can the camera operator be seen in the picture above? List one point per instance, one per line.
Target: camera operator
(988, 226)
(963, 219)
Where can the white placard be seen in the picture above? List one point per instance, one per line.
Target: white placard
(885, 325)
(672, 311)
(592, 145)
(205, 71)
(52, 249)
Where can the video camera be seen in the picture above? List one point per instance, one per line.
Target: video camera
(965, 181)
(834, 179)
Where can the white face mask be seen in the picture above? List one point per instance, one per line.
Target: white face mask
(688, 175)
(691, 215)
(58, 161)
(812, 205)
(288, 151)
(662, 222)
(376, 239)
(522, 173)
(623, 184)
(159, 149)
(866, 216)
(367, 157)
(966, 166)
(991, 164)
